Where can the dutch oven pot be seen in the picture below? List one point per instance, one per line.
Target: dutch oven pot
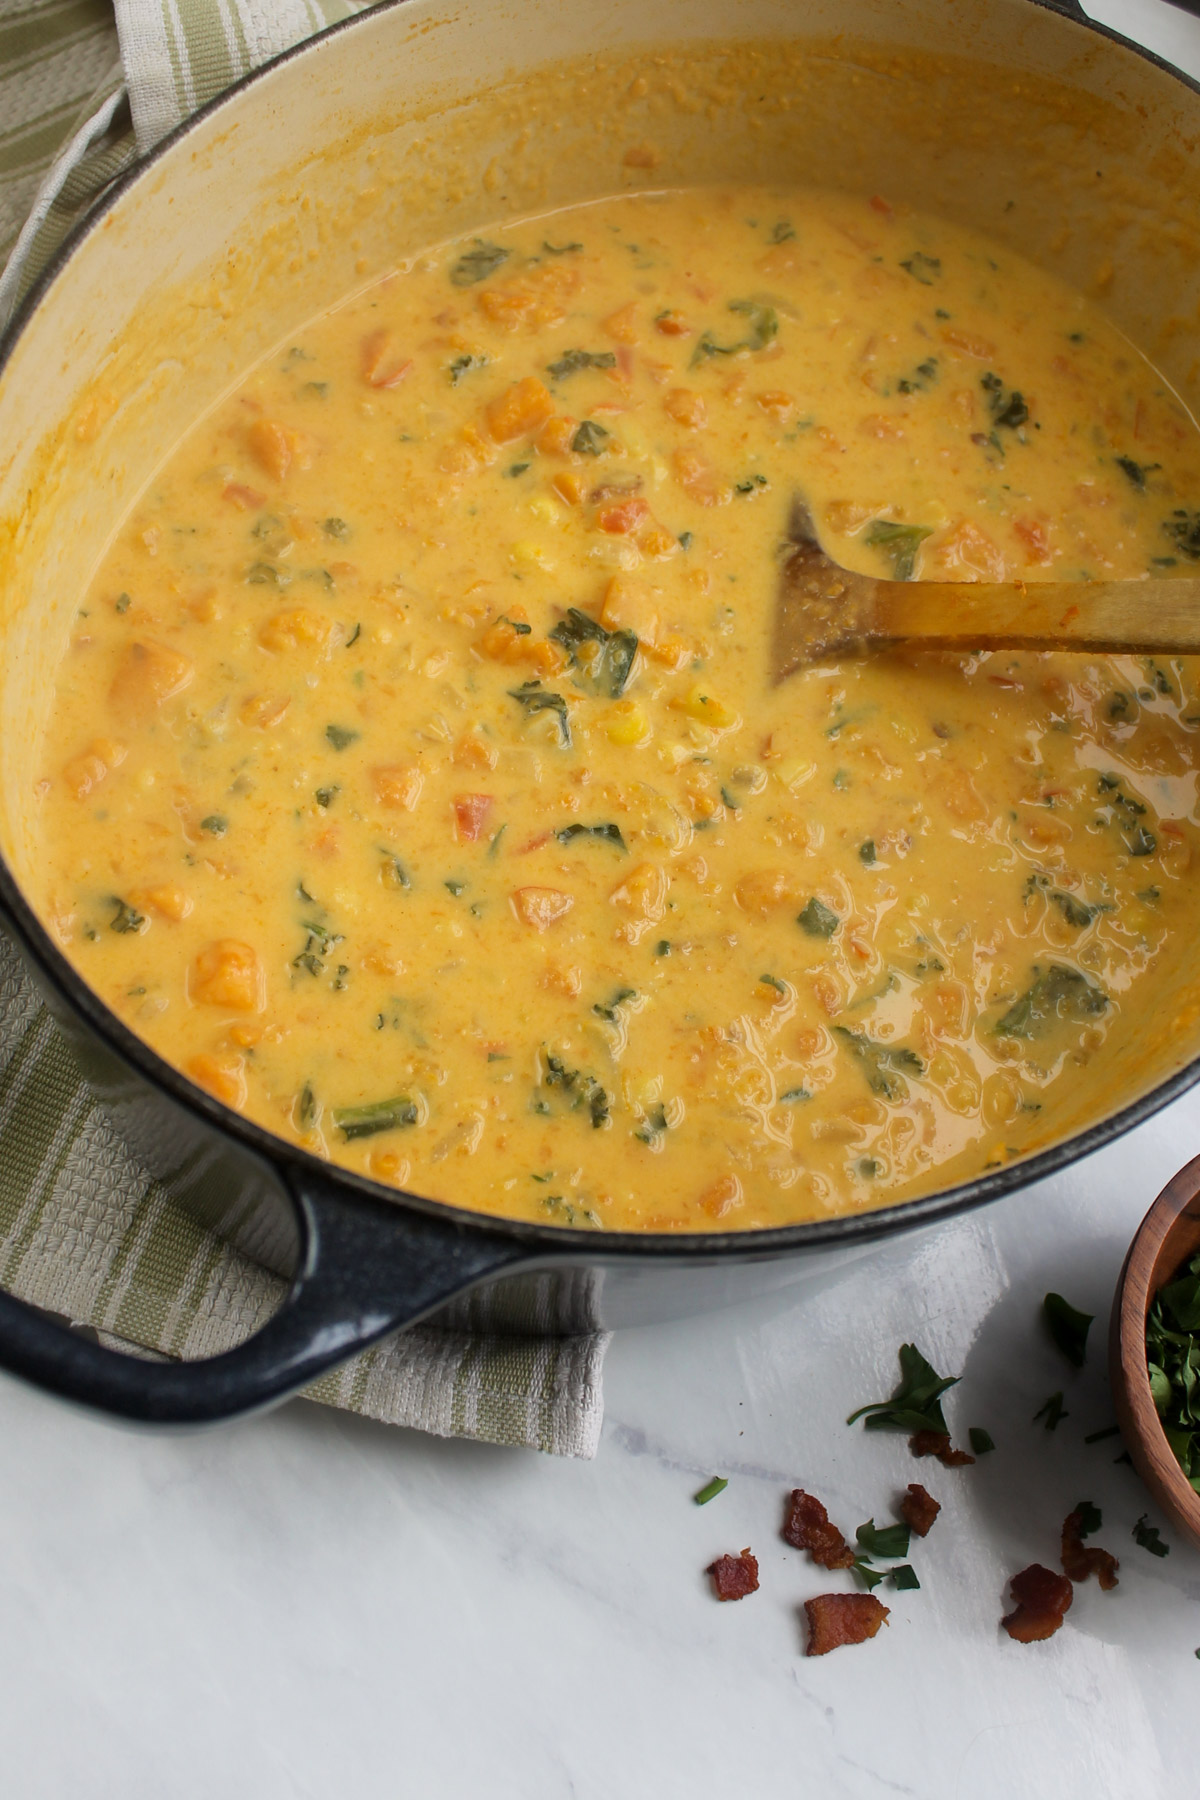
(403, 126)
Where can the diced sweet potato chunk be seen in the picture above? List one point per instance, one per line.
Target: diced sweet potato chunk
(223, 1076)
(541, 907)
(166, 898)
(764, 891)
(296, 628)
(147, 675)
(643, 892)
(227, 973)
(275, 447)
(837, 1619)
(807, 1526)
(686, 407)
(85, 772)
(397, 785)
(733, 1577)
(919, 1508)
(1042, 1598)
(519, 410)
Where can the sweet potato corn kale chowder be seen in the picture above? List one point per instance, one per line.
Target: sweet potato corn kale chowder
(416, 784)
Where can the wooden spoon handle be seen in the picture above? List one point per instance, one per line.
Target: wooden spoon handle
(1147, 615)
(823, 610)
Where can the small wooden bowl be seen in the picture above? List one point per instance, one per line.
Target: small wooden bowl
(1166, 1238)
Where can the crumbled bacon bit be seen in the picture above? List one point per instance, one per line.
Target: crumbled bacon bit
(1080, 1560)
(1042, 1599)
(937, 1443)
(919, 1508)
(837, 1619)
(734, 1576)
(806, 1526)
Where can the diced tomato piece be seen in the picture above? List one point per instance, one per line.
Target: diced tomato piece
(623, 517)
(470, 815)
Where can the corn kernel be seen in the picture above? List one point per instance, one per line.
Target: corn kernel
(707, 710)
(626, 723)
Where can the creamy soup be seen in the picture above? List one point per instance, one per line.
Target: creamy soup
(415, 781)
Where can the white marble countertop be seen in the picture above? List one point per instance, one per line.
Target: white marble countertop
(311, 1607)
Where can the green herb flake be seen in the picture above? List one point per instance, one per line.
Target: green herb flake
(915, 1404)
(863, 1572)
(817, 919)
(607, 834)
(663, 947)
(762, 323)
(122, 603)
(882, 1064)
(608, 1009)
(341, 736)
(1051, 1412)
(710, 1490)
(560, 249)
(571, 361)
(534, 698)
(899, 543)
(773, 981)
(603, 659)
(1090, 1517)
(866, 852)
(1006, 405)
(795, 1095)
(1173, 1365)
(382, 1115)
(336, 528)
(589, 439)
(922, 268)
(1183, 528)
(903, 1578)
(477, 263)
(515, 469)
(126, 918)
(1147, 1536)
(216, 824)
(464, 365)
(887, 1541)
(1068, 1327)
(1135, 472)
(1056, 994)
(981, 1441)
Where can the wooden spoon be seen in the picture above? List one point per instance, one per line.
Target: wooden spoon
(824, 610)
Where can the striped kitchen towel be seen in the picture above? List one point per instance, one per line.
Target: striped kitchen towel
(84, 1231)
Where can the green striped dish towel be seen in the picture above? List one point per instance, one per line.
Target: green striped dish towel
(84, 1231)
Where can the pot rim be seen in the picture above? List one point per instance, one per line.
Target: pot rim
(56, 972)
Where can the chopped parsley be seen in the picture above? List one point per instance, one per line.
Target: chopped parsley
(899, 543)
(590, 438)
(1068, 1327)
(609, 833)
(477, 263)
(1055, 994)
(603, 658)
(534, 698)
(817, 919)
(571, 361)
(882, 1064)
(916, 1402)
(341, 736)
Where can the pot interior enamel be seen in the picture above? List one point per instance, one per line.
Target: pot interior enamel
(415, 123)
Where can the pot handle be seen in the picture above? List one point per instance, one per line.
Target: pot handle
(366, 1269)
